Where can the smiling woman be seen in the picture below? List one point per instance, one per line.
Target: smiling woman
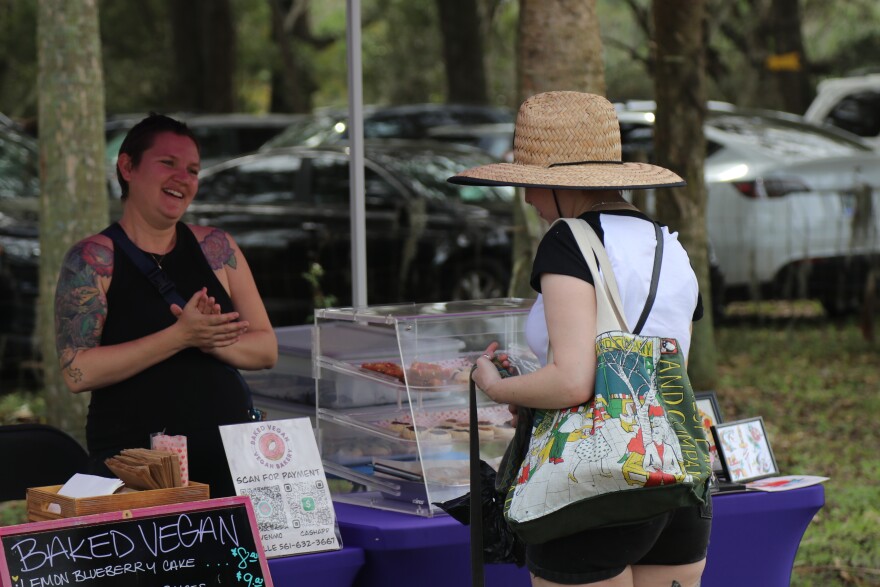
(152, 366)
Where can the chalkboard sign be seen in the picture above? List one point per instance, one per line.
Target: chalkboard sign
(196, 544)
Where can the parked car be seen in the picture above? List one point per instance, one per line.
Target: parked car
(851, 103)
(221, 136)
(427, 240)
(496, 138)
(410, 121)
(19, 244)
(792, 208)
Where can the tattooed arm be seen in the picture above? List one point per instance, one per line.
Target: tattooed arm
(257, 348)
(80, 312)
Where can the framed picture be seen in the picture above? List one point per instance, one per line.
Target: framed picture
(707, 403)
(745, 450)
(710, 415)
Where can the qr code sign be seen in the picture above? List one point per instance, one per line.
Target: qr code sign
(268, 507)
(308, 505)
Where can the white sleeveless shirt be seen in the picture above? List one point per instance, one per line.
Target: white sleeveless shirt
(630, 242)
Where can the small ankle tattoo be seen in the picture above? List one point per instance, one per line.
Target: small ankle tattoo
(675, 584)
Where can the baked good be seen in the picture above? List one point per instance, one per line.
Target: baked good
(427, 374)
(437, 435)
(461, 377)
(504, 431)
(385, 368)
(397, 426)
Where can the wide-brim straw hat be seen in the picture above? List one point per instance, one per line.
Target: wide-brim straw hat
(568, 140)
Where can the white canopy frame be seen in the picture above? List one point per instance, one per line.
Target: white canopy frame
(356, 155)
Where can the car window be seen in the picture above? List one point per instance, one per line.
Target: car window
(638, 139)
(858, 114)
(391, 127)
(309, 132)
(786, 137)
(431, 170)
(224, 142)
(331, 183)
(265, 180)
(18, 172)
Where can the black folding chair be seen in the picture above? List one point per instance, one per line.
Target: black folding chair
(34, 455)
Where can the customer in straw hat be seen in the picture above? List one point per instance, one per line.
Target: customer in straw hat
(567, 156)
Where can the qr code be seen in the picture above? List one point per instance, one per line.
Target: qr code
(307, 502)
(268, 507)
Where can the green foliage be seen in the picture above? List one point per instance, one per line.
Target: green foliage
(401, 51)
(319, 298)
(18, 58)
(814, 383)
(255, 56)
(22, 407)
(137, 55)
(13, 512)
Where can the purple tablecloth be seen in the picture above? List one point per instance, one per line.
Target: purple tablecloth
(404, 549)
(336, 568)
(755, 537)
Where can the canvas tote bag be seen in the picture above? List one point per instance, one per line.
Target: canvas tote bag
(635, 450)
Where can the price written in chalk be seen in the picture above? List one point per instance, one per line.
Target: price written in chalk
(206, 547)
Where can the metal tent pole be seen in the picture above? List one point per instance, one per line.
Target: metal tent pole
(356, 155)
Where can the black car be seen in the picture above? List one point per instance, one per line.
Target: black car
(19, 243)
(427, 240)
(408, 121)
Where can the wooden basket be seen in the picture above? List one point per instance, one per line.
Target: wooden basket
(44, 503)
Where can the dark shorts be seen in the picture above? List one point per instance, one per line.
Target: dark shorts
(679, 537)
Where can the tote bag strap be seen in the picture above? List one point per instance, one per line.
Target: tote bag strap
(605, 264)
(608, 305)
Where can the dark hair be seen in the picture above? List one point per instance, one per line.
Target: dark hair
(143, 134)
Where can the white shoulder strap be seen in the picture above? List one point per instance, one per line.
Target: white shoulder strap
(610, 314)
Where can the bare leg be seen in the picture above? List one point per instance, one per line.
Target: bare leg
(668, 575)
(624, 579)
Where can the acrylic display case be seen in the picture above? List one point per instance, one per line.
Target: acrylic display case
(392, 397)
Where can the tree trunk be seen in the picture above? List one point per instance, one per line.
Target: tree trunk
(73, 178)
(291, 85)
(463, 52)
(559, 49)
(790, 65)
(679, 144)
(204, 56)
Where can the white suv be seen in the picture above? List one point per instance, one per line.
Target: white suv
(850, 103)
(793, 209)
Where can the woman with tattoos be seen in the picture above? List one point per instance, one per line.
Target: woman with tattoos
(151, 366)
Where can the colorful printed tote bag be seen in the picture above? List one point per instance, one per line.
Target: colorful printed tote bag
(635, 450)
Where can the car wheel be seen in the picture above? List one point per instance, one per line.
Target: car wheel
(840, 287)
(475, 282)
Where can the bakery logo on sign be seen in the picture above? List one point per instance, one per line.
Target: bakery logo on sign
(271, 446)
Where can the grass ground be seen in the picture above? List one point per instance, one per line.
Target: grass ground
(817, 386)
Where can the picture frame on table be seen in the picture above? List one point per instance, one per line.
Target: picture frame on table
(744, 450)
(707, 404)
(710, 414)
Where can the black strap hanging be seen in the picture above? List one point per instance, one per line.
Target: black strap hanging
(160, 280)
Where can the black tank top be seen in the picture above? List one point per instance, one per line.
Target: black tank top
(190, 393)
